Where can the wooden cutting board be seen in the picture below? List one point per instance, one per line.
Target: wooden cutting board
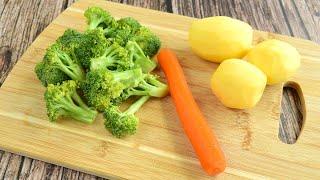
(160, 149)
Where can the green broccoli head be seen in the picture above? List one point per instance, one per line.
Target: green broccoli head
(62, 100)
(121, 124)
(70, 41)
(60, 62)
(120, 36)
(129, 29)
(114, 58)
(128, 23)
(148, 41)
(49, 75)
(118, 123)
(101, 86)
(139, 59)
(126, 27)
(69, 36)
(124, 31)
(92, 44)
(56, 58)
(97, 17)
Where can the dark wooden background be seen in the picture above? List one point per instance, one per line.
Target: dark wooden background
(21, 21)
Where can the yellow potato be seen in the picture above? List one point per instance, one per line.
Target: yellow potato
(219, 38)
(238, 84)
(277, 59)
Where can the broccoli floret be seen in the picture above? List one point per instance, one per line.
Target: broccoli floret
(60, 62)
(123, 31)
(101, 86)
(92, 44)
(125, 123)
(120, 36)
(128, 23)
(56, 58)
(69, 36)
(49, 74)
(149, 86)
(129, 29)
(70, 41)
(147, 40)
(97, 17)
(64, 101)
(139, 58)
(114, 57)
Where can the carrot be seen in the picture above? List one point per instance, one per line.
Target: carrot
(195, 126)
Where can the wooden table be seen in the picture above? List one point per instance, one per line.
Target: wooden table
(22, 21)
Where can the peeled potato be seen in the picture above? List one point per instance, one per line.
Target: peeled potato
(238, 84)
(277, 59)
(219, 38)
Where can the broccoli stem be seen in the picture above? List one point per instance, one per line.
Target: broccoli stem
(109, 31)
(146, 64)
(86, 116)
(155, 91)
(95, 23)
(157, 88)
(148, 86)
(68, 66)
(100, 62)
(136, 105)
(145, 88)
(76, 112)
(107, 59)
(79, 101)
(139, 58)
(139, 53)
(128, 78)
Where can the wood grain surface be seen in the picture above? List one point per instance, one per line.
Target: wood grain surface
(22, 21)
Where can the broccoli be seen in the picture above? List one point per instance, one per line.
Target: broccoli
(125, 123)
(56, 58)
(147, 40)
(49, 75)
(128, 23)
(120, 36)
(114, 57)
(69, 36)
(92, 44)
(57, 66)
(70, 41)
(109, 62)
(130, 29)
(123, 31)
(60, 62)
(97, 17)
(63, 101)
(139, 58)
(149, 86)
(101, 86)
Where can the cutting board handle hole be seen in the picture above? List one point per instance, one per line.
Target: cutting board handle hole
(291, 124)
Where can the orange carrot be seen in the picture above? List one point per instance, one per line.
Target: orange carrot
(195, 126)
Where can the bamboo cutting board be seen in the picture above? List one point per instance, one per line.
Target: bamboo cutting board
(160, 150)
